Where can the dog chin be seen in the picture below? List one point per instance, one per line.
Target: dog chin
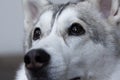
(33, 77)
(43, 78)
(41, 75)
(51, 78)
(39, 78)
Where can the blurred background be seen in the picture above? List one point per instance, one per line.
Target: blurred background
(11, 38)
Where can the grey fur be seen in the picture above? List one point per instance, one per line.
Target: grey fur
(91, 56)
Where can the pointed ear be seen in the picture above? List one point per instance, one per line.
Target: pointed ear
(32, 8)
(115, 13)
(110, 10)
(105, 7)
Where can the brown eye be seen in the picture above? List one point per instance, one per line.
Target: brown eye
(36, 34)
(76, 29)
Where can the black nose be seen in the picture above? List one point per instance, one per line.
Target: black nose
(36, 59)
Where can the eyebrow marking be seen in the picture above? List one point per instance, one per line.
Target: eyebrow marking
(57, 11)
(61, 9)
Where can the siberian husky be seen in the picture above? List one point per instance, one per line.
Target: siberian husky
(75, 40)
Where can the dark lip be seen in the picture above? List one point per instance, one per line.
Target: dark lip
(40, 78)
(76, 78)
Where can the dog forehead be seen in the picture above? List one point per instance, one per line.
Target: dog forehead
(49, 17)
(75, 10)
(64, 14)
(45, 18)
(67, 15)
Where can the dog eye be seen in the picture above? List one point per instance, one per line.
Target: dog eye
(36, 34)
(76, 29)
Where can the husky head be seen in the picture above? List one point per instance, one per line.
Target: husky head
(68, 41)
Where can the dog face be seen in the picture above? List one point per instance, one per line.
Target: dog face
(66, 42)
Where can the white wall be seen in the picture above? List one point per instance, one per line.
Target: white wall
(11, 26)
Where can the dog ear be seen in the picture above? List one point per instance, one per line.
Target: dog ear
(110, 10)
(105, 7)
(115, 13)
(32, 8)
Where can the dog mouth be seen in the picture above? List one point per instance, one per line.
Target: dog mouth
(76, 78)
(42, 75)
(41, 78)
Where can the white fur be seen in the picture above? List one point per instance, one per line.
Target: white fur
(91, 56)
(21, 74)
